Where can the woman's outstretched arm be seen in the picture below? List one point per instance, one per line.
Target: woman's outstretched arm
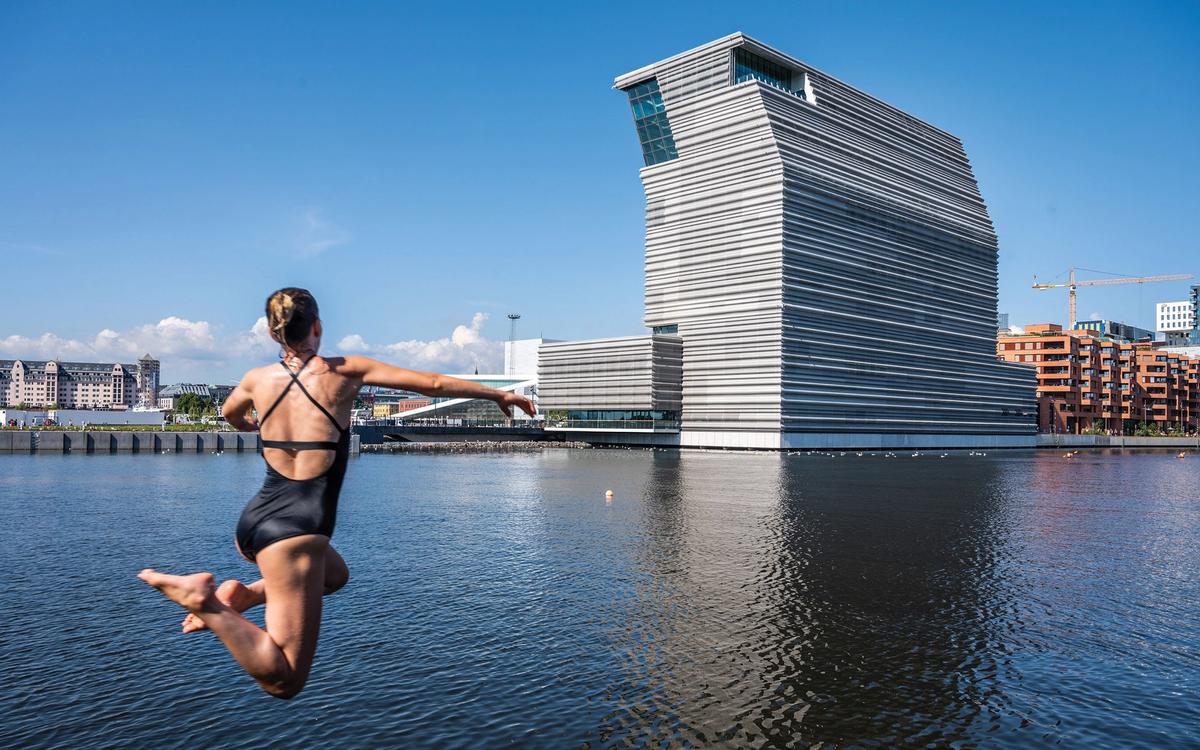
(374, 372)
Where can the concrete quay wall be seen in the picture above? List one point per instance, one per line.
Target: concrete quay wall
(1115, 441)
(100, 441)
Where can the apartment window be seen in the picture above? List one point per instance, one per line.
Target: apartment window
(672, 328)
(650, 117)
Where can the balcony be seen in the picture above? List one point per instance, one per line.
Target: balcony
(1051, 388)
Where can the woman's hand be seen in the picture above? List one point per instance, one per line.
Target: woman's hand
(243, 424)
(508, 400)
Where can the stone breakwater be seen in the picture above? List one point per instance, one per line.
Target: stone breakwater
(471, 446)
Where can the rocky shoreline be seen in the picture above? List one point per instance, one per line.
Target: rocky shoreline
(471, 446)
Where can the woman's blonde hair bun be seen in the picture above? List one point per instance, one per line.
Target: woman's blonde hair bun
(291, 312)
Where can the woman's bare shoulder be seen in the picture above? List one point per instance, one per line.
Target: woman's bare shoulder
(350, 365)
(256, 375)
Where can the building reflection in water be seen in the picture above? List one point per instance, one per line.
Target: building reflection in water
(806, 599)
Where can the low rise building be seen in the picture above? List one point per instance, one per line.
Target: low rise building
(23, 417)
(104, 418)
(79, 385)
(1088, 382)
(632, 383)
(168, 396)
(1114, 330)
(392, 408)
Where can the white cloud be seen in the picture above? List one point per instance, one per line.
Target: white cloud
(197, 351)
(257, 341)
(317, 234)
(46, 346)
(465, 348)
(353, 344)
(188, 349)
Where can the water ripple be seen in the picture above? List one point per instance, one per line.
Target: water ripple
(748, 600)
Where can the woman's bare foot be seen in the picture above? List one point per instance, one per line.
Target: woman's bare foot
(192, 592)
(232, 593)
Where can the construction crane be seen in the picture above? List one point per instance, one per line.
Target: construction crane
(1072, 283)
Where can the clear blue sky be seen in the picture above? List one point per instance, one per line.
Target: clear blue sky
(415, 167)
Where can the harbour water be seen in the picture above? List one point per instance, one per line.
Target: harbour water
(753, 600)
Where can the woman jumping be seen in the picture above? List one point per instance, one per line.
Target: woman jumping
(285, 529)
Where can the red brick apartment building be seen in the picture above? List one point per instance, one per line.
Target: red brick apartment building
(1085, 381)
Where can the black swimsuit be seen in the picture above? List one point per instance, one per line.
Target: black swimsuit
(285, 507)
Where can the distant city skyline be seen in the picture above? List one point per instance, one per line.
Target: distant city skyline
(427, 173)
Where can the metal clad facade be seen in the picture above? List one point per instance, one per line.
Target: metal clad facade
(714, 244)
(828, 260)
(629, 373)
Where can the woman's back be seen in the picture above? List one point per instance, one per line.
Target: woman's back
(302, 407)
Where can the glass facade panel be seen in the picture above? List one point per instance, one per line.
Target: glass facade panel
(748, 65)
(650, 117)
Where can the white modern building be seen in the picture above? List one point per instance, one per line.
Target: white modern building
(447, 409)
(1186, 339)
(521, 357)
(1175, 320)
(825, 259)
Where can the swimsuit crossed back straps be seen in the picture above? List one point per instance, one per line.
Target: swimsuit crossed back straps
(284, 507)
(302, 445)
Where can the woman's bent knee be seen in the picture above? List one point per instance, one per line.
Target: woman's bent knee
(337, 574)
(284, 690)
(335, 579)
